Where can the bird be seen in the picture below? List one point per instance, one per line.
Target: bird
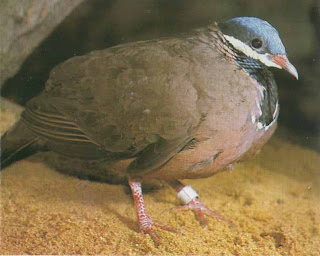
(182, 107)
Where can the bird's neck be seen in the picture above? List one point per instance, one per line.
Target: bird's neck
(255, 69)
(251, 66)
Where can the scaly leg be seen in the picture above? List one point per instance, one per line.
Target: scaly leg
(189, 197)
(145, 222)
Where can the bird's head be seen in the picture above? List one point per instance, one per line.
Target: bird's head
(257, 39)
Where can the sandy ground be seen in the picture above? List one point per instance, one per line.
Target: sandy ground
(274, 200)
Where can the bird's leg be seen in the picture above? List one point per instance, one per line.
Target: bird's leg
(190, 200)
(145, 222)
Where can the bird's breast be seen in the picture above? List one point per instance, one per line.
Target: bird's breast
(230, 129)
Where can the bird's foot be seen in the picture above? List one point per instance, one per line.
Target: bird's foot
(189, 197)
(200, 210)
(146, 224)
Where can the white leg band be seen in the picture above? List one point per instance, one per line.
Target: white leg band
(187, 194)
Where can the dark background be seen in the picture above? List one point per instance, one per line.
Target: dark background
(98, 24)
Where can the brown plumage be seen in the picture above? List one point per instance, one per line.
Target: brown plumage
(166, 109)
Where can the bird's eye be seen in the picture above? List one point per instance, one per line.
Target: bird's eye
(256, 43)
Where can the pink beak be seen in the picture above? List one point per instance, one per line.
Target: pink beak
(283, 62)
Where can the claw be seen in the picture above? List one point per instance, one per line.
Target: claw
(149, 231)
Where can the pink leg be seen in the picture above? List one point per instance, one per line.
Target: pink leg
(145, 222)
(194, 204)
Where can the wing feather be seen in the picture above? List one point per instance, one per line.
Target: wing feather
(54, 126)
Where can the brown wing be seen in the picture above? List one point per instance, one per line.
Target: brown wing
(135, 100)
(60, 130)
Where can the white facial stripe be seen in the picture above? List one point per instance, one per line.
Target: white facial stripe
(251, 53)
(276, 111)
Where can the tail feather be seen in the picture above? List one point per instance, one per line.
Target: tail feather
(18, 143)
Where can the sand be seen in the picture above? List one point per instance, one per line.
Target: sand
(274, 200)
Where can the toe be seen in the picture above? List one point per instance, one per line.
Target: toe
(149, 231)
(218, 216)
(171, 229)
(200, 217)
(200, 211)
